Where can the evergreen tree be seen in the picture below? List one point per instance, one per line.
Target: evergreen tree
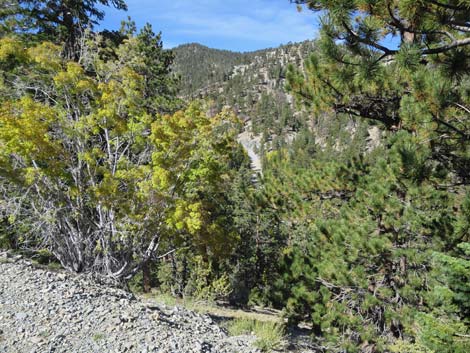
(365, 275)
(418, 84)
(59, 21)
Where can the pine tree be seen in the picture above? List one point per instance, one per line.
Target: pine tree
(59, 21)
(365, 275)
(417, 84)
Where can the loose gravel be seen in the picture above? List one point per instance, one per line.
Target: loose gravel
(54, 311)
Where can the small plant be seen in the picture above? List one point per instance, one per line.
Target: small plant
(54, 266)
(45, 333)
(270, 334)
(44, 257)
(241, 326)
(166, 298)
(203, 286)
(98, 336)
(405, 346)
(135, 284)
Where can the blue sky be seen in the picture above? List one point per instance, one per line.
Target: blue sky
(240, 25)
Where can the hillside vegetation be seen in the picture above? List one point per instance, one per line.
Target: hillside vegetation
(253, 83)
(122, 159)
(201, 67)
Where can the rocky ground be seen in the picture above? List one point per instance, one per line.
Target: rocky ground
(49, 311)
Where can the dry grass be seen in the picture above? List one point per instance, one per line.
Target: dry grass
(270, 334)
(267, 325)
(224, 312)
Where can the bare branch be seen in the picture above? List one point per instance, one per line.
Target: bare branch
(444, 48)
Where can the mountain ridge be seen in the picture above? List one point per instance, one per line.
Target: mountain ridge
(253, 85)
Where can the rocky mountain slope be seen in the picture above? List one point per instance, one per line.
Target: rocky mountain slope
(252, 84)
(46, 311)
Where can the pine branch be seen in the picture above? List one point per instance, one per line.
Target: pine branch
(447, 6)
(368, 41)
(462, 107)
(461, 28)
(445, 48)
(463, 134)
(374, 108)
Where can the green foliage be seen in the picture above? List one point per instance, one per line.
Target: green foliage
(405, 346)
(456, 270)
(420, 87)
(360, 264)
(7, 236)
(201, 67)
(61, 22)
(360, 238)
(189, 275)
(44, 257)
(54, 18)
(202, 286)
(98, 336)
(195, 158)
(154, 64)
(106, 178)
(270, 334)
(359, 224)
(76, 144)
(442, 334)
(241, 327)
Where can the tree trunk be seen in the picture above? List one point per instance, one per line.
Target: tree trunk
(146, 277)
(70, 41)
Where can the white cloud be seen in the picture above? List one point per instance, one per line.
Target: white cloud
(267, 22)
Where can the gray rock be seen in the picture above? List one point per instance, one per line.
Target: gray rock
(44, 311)
(21, 316)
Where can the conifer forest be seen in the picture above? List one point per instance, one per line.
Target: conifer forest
(327, 179)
